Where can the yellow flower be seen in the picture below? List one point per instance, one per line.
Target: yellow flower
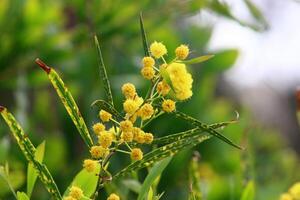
(163, 88)
(130, 106)
(98, 127)
(148, 73)
(139, 137)
(146, 111)
(98, 152)
(89, 165)
(157, 49)
(295, 191)
(76, 192)
(113, 132)
(105, 139)
(136, 154)
(182, 52)
(104, 116)
(127, 136)
(139, 100)
(168, 105)
(69, 198)
(128, 90)
(286, 196)
(126, 126)
(113, 196)
(148, 137)
(148, 61)
(131, 118)
(135, 131)
(181, 80)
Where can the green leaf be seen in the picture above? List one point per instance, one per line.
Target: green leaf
(87, 181)
(144, 37)
(103, 74)
(4, 173)
(68, 102)
(29, 150)
(199, 59)
(22, 196)
(249, 191)
(205, 127)
(162, 152)
(133, 185)
(155, 172)
(101, 104)
(31, 173)
(256, 13)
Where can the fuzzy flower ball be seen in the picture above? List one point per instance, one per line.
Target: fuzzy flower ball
(148, 138)
(168, 105)
(104, 115)
(130, 106)
(163, 88)
(148, 73)
(146, 111)
(157, 49)
(89, 165)
(136, 154)
(148, 61)
(76, 192)
(128, 90)
(98, 152)
(113, 196)
(126, 126)
(182, 52)
(98, 128)
(105, 139)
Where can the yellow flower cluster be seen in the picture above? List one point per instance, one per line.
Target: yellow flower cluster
(181, 80)
(90, 165)
(136, 154)
(293, 193)
(168, 105)
(163, 88)
(182, 52)
(128, 89)
(98, 152)
(157, 49)
(75, 193)
(104, 115)
(113, 196)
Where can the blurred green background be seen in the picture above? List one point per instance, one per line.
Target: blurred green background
(61, 33)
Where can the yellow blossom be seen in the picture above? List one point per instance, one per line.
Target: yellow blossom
(139, 137)
(105, 139)
(146, 111)
(135, 131)
(148, 73)
(168, 105)
(113, 132)
(181, 80)
(163, 88)
(113, 196)
(76, 192)
(157, 49)
(131, 118)
(139, 100)
(104, 115)
(148, 137)
(295, 191)
(130, 106)
(126, 126)
(286, 196)
(90, 165)
(182, 52)
(148, 61)
(127, 136)
(98, 127)
(98, 152)
(128, 90)
(136, 154)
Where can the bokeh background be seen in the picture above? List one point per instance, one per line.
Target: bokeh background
(255, 71)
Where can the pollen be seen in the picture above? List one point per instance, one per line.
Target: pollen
(104, 115)
(98, 152)
(146, 111)
(148, 73)
(98, 127)
(168, 105)
(163, 88)
(130, 106)
(148, 61)
(127, 136)
(126, 126)
(182, 52)
(105, 139)
(128, 90)
(89, 165)
(148, 137)
(136, 154)
(157, 49)
(113, 196)
(76, 192)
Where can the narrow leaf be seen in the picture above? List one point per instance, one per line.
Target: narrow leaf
(29, 150)
(4, 173)
(101, 104)
(68, 102)
(256, 13)
(31, 173)
(163, 152)
(144, 37)
(197, 60)
(87, 181)
(103, 74)
(249, 191)
(22, 196)
(155, 172)
(205, 128)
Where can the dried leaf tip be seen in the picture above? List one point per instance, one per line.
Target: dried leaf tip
(45, 67)
(1, 108)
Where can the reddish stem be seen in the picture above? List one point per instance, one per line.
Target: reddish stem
(1, 108)
(45, 67)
